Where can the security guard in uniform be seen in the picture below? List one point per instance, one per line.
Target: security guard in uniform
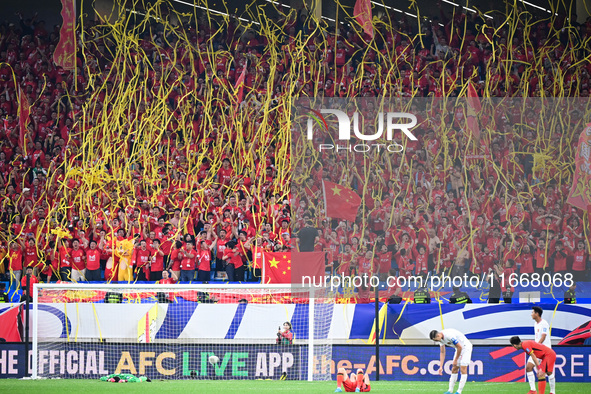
(459, 297)
(422, 296)
(570, 296)
(3, 295)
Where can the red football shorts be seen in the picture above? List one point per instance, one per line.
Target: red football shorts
(350, 387)
(547, 363)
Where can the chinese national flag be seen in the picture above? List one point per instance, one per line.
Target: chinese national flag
(473, 108)
(293, 267)
(340, 202)
(24, 110)
(362, 13)
(277, 267)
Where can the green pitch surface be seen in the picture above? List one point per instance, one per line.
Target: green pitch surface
(12, 386)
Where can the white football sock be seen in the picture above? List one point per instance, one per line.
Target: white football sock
(552, 381)
(452, 382)
(531, 378)
(463, 381)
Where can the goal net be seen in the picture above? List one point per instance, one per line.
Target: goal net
(181, 331)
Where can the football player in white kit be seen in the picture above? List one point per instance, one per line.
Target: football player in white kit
(542, 335)
(453, 338)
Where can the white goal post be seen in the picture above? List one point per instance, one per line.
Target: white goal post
(181, 331)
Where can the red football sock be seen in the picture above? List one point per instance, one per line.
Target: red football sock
(340, 378)
(359, 380)
(542, 386)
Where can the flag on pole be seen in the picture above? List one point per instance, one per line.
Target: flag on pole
(580, 192)
(257, 257)
(340, 202)
(240, 84)
(64, 54)
(362, 13)
(474, 107)
(24, 110)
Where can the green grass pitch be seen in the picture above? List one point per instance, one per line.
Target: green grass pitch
(57, 386)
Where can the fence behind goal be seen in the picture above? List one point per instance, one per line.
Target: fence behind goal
(180, 331)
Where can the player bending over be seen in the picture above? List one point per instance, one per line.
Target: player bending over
(461, 361)
(354, 383)
(542, 335)
(542, 356)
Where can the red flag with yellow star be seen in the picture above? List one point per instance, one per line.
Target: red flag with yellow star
(340, 202)
(277, 267)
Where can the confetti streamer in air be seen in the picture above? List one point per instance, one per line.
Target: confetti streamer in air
(160, 91)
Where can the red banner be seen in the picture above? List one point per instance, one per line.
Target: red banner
(580, 194)
(24, 110)
(9, 324)
(240, 84)
(362, 13)
(474, 107)
(65, 51)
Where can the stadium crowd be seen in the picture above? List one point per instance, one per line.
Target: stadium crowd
(177, 140)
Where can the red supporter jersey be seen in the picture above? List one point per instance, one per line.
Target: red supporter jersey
(234, 259)
(204, 260)
(31, 259)
(142, 257)
(384, 262)
(188, 263)
(15, 260)
(32, 281)
(93, 259)
(78, 262)
(176, 260)
(157, 262)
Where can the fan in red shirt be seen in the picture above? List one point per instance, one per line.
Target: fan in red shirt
(225, 173)
(174, 263)
(78, 256)
(93, 262)
(542, 356)
(157, 264)
(31, 258)
(143, 257)
(32, 280)
(166, 279)
(189, 257)
(234, 264)
(384, 261)
(204, 261)
(15, 261)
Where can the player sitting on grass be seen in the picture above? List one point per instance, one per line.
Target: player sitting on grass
(354, 383)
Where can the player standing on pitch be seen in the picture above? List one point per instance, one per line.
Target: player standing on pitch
(461, 361)
(355, 383)
(542, 335)
(542, 356)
